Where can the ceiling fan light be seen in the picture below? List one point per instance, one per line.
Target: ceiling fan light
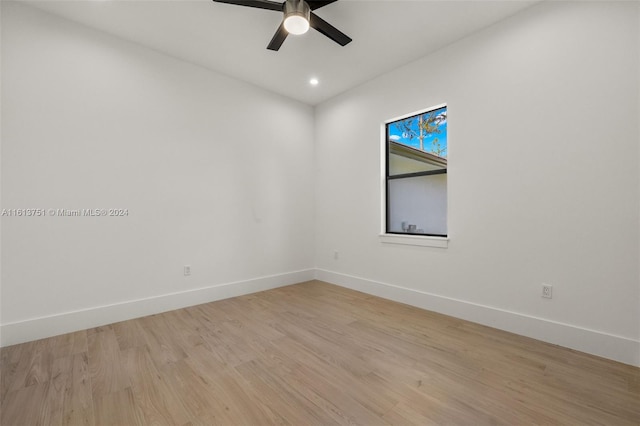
(296, 16)
(296, 24)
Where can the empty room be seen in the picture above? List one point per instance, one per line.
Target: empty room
(237, 212)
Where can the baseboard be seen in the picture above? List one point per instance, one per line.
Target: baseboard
(618, 348)
(39, 328)
(594, 342)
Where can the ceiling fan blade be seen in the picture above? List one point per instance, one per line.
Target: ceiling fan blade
(278, 38)
(313, 5)
(259, 4)
(329, 30)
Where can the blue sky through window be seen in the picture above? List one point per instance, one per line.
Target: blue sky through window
(426, 131)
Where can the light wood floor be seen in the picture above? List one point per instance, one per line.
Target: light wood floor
(312, 353)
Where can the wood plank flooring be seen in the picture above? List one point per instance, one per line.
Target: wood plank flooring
(308, 354)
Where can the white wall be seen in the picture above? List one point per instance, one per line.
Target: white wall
(638, 77)
(542, 180)
(216, 174)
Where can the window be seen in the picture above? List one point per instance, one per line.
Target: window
(416, 174)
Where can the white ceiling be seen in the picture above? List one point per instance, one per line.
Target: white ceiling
(232, 39)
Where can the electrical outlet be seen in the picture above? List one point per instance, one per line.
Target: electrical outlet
(187, 270)
(547, 291)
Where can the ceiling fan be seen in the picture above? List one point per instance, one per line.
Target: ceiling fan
(298, 17)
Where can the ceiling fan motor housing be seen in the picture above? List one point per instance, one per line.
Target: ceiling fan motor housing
(297, 9)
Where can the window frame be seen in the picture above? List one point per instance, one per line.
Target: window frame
(406, 238)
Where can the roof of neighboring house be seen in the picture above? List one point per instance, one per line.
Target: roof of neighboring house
(416, 154)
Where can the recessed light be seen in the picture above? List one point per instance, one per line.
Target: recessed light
(314, 82)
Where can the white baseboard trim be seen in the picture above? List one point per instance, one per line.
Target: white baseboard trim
(617, 348)
(39, 328)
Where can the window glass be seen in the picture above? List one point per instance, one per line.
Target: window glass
(416, 174)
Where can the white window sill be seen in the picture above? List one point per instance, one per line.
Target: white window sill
(415, 240)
